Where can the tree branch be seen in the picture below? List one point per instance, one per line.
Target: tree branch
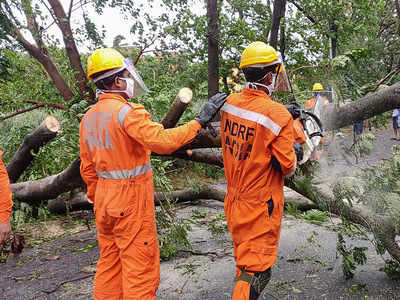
(309, 17)
(72, 51)
(55, 105)
(22, 111)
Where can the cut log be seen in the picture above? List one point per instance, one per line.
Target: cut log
(177, 108)
(49, 187)
(22, 158)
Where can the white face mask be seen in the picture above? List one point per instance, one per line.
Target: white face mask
(269, 87)
(130, 87)
(129, 90)
(135, 86)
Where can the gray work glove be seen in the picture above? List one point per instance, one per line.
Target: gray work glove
(298, 149)
(210, 109)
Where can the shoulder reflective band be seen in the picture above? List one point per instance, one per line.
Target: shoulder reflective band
(122, 113)
(252, 116)
(123, 174)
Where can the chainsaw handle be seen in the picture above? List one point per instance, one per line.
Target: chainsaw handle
(316, 119)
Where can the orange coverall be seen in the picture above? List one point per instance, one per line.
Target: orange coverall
(311, 102)
(5, 194)
(253, 128)
(116, 140)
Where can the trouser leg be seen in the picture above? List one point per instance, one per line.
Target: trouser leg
(250, 285)
(141, 263)
(108, 278)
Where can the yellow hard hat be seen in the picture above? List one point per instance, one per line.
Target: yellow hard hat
(258, 53)
(102, 60)
(317, 87)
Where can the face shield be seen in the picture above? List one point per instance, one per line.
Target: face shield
(139, 87)
(282, 82)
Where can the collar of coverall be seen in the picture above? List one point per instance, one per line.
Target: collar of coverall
(113, 96)
(257, 92)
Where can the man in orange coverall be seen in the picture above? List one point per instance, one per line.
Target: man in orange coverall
(314, 105)
(116, 140)
(310, 103)
(5, 203)
(258, 151)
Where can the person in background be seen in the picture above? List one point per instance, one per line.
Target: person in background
(5, 203)
(259, 151)
(317, 89)
(116, 141)
(395, 123)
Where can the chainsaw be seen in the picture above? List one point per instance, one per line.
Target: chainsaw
(307, 129)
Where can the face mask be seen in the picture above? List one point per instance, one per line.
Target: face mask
(129, 90)
(130, 87)
(135, 87)
(270, 87)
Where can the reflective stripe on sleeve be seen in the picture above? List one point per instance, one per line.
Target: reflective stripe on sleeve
(122, 113)
(252, 116)
(123, 174)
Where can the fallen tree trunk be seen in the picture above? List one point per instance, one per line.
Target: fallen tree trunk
(369, 106)
(49, 187)
(78, 200)
(22, 158)
(383, 227)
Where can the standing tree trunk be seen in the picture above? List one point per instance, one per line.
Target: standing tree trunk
(213, 37)
(277, 15)
(31, 144)
(63, 21)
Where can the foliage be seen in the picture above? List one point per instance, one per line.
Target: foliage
(392, 269)
(351, 256)
(218, 225)
(378, 189)
(172, 231)
(315, 216)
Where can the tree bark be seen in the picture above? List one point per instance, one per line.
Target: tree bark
(78, 201)
(177, 108)
(382, 226)
(397, 6)
(277, 14)
(63, 22)
(48, 65)
(49, 187)
(368, 106)
(213, 37)
(22, 158)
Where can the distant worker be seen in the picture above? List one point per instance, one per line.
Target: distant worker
(257, 137)
(116, 140)
(5, 203)
(395, 123)
(314, 105)
(317, 88)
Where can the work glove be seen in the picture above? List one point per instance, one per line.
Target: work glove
(275, 164)
(298, 149)
(210, 109)
(294, 109)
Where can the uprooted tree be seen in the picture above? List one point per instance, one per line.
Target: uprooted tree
(72, 87)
